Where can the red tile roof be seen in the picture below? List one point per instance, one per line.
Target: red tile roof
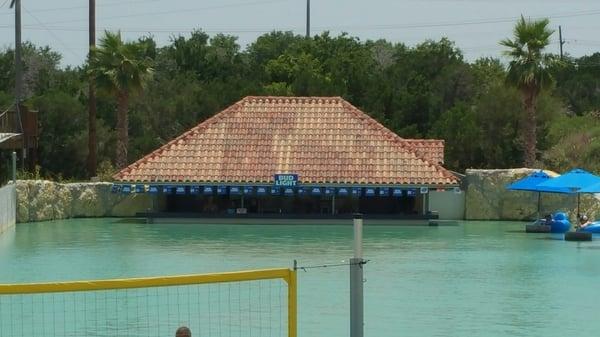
(322, 139)
(430, 149)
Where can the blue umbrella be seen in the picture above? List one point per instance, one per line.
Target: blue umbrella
(591, 189)
(532, 183)
(574, 180)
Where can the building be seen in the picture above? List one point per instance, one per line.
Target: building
(270, 157)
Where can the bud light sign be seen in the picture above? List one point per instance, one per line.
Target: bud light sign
(286, 180)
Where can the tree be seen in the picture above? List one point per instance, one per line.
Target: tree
(120, 70)
(529, 72)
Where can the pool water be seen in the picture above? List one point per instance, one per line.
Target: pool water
(472, 279)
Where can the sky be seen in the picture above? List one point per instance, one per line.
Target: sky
(475, 25)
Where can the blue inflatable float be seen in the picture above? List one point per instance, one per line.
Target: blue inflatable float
(594, 227)
(560, 223)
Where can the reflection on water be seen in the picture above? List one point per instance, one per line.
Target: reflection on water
(474, 279)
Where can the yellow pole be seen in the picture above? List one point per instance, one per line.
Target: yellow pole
(292, 305)
(165, 281)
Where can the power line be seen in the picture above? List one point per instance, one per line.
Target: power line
(343, 27)
(177, 11)
(51, 33)
(108, 4)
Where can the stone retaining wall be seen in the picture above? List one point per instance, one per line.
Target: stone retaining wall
(41, 200)
(488, 199)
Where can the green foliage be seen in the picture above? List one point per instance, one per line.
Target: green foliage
(63, 129)
(428, 90)
(106, 171)
(579, 83)
(529, 65)
(120, 66)
(576, 143)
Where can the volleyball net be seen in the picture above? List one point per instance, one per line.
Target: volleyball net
(249, 303)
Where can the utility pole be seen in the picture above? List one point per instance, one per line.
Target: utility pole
(92, 141)
(560, 41)
(18, 65)
(307, 18)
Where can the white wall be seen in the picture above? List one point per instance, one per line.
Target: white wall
(8, 207)
(449, 204)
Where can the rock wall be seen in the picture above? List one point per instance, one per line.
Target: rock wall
(488, 199)
(41, 200)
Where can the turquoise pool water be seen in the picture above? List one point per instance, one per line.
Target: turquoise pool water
(474, 279)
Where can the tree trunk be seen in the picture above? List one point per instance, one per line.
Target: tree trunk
(122, 129)
(92, 140)
(530, 130)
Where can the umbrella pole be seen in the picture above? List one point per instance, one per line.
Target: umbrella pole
(539, 205)
(578, 200)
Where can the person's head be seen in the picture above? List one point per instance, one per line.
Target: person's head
(584, 218)
(183, 331)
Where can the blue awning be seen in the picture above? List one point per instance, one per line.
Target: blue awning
(248, 189)
(275, 191)
(261, 190)
(411, 192)
(221, 190)
(369, 192)
(235, 190)
(208, 190)
(288, 191)
(384, 191)
(195, 190)
(167, 189)
(328, 190)
(126, 189)
(115, 188)
(356, 191)
(301, 191)
(315, 191)
(342, 191)
(180, 190)
(397, 192)
(153, 189)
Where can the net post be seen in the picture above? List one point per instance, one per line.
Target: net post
(292, 303)
(356, 282)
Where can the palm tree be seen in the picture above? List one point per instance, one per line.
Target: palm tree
(120, 70)
(529, 72)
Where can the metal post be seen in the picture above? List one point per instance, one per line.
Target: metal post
(14, 167)
(333, 204)
(356, 281)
